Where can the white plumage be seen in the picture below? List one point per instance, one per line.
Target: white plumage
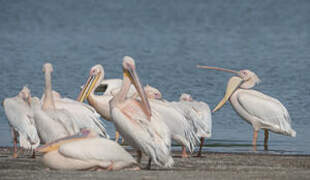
(198, 114)
(256, 108)
(140, 126)
(269, 113)
(21, 120)
(88, 153)
(53, 124)
(85, 116)
(181, 130)
(151, 137)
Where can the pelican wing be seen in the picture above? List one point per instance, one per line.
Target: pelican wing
(152, 137)
(198, 114)
(20, 118)
(65, 118)
(53, 124)
(85, 115)
(95, 149)
(112, 87)
(272, 114)
(181, 129)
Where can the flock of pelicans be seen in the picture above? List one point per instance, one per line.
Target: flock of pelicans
(74, 137)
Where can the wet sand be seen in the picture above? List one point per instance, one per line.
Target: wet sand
(212, 165)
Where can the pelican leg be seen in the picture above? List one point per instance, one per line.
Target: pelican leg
(122, 141)
(184, 154)
(202, 139)
(139, 156)
(110, 167)
(33, 154)
(14, 143)
(149, 164)
(116, 136)
(254, 139)
(266, 139)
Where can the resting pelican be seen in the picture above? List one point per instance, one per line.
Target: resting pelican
(256, 108)
(86, 151)
(19, 114)
(141, 128)
(199, 114)
(52, 123)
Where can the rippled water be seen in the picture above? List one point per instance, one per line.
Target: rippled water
(167, 39)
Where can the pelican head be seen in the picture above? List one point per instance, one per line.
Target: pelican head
(250, 79)
(152, 92)
(244, 79)
(186, 97)
(96, 75)
(129, 71)
(25, 95)
(47, 67)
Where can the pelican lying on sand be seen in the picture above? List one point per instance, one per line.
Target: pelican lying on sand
(20, 118)
(256, 108)
(86, 151)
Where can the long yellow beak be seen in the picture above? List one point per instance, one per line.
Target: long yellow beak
(56, 144)
(87, 89)
(232, 85)
(136, 82)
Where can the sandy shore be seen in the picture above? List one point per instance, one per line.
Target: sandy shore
(211, 166)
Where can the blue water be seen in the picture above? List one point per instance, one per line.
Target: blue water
(167, 39)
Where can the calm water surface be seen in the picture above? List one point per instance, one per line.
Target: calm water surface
(167, 39)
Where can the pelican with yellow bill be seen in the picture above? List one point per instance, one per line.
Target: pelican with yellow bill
(259, 110)
(88, 88)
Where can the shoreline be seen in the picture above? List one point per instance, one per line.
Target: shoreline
(212, 165)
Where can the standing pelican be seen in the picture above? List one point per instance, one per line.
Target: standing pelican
(256, 108)
(52, 123)
(176, 116)
(86, 151)
(181, 119)
(110, 87)
(99, 102)
(199, 114)
(84, 115)
(19, 114)
(139, 126)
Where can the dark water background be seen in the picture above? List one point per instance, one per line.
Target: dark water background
(167, 39)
